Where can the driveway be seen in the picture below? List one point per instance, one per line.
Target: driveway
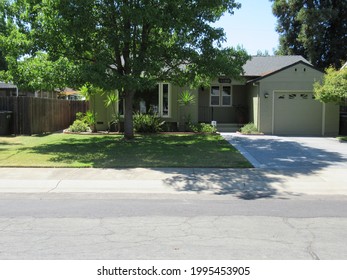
(279, 152)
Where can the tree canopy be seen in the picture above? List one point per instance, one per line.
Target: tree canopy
(333, 88)
(39, 73)
(315, 29)
(129, 45)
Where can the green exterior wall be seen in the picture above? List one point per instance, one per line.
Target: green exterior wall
(261, 110)
(298, 78)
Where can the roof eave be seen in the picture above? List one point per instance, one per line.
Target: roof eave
(284, 68)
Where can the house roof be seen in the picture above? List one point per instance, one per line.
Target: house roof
(259, 66)
(7, 85)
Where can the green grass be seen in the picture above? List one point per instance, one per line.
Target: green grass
(342, 138)
(106, 151)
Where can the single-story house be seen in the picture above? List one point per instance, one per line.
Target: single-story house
(8, 89)
(275, 93)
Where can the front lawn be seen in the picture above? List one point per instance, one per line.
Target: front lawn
(111, 151)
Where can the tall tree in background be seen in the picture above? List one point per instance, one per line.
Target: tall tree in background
(316, 29)
(129, 45)
(3, 63)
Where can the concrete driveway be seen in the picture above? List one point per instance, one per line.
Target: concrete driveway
(279, 152)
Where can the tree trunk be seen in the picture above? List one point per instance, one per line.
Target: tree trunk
(128, 115)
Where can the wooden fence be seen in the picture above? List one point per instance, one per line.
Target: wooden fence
(31, 115)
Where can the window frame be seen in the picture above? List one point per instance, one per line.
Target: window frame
(160, 101)
(221, 95)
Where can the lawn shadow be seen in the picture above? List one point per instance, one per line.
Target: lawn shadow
(144, 151)
(88, 151)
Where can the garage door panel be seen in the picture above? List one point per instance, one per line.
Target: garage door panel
(297, 113)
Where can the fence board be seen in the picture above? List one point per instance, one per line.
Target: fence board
(33, 115)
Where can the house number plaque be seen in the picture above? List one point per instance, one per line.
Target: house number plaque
(224, 80)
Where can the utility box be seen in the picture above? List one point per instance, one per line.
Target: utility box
(5, 122)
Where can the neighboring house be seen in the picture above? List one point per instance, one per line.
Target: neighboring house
(70, 94)
(8, 89)
(275, 92)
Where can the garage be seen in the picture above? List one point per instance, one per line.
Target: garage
(297, 113)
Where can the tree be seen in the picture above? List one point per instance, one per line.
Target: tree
(333, 88)
(129, 45)
(40, 73)
(314, 29)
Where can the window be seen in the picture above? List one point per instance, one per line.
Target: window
(215, 96)
(152, 101)
(220, 96)
(226, 96)
(164, 98)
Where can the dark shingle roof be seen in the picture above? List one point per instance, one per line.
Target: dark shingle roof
(259, 66)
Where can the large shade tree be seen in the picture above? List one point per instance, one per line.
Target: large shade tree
(130, 45)
(315, 29)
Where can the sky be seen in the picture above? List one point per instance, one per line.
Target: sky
(252, 26)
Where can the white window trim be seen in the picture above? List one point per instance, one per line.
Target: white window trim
(160, 101)
(221, 95)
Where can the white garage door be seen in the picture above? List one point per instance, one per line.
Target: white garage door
(297, 113)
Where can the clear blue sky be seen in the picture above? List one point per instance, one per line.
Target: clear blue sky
(252, 26)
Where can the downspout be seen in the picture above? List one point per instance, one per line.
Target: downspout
(259, 106)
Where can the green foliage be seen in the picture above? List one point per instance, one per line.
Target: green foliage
(249, 128)
(186, 98)
(112, 99)
(202, 128)
(39, 73)
(88, 118)
(314, 29)
(147, 123)
(333, 87)
(129, 45)
(79, 126)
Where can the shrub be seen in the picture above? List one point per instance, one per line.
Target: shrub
(147, 123)
(88, 118)
(202, 127)
(79, 126)
(249, 128)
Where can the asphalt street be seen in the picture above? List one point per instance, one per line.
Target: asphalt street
(161, 226)
(292, 205)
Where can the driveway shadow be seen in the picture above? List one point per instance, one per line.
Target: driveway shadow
(284, 161)
(292, 152)
(245, 184)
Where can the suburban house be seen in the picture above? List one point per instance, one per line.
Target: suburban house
(8, 89)
(275, 93)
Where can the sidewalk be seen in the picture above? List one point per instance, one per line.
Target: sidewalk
(242, 183)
